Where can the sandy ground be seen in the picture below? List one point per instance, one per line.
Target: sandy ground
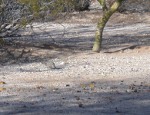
(59, 75)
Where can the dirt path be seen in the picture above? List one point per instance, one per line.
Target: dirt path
(67, 78)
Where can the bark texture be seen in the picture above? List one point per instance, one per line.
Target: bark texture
(102, 22)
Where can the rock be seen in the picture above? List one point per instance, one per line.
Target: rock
(95, 5)
(59, 64)
(129, 90)
(81, 105)
(50, 64)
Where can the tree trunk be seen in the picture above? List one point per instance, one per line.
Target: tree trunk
(101, 24)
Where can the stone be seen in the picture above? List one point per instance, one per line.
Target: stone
(95, 5)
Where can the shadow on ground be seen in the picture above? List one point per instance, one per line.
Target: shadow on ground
(70, 40)
(104, 98)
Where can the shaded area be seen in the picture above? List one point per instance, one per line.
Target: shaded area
(48, 41)
(105, 97)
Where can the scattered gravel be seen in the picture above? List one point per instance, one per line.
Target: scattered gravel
(82, 82)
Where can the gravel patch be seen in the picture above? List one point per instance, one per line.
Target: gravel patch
(81, 83)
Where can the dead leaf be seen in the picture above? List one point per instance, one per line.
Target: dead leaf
(40, 87)
(67, 85)
(92, 86)
(147, 85)
(2, 82)
(83, 86)
(2, 89)
(148, 90)
(78, 91)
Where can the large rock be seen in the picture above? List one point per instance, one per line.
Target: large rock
(95, 5)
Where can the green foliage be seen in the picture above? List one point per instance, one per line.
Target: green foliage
(23, 12)
(39, 8)
(1, 41)
(33, 5)
(23, 22)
